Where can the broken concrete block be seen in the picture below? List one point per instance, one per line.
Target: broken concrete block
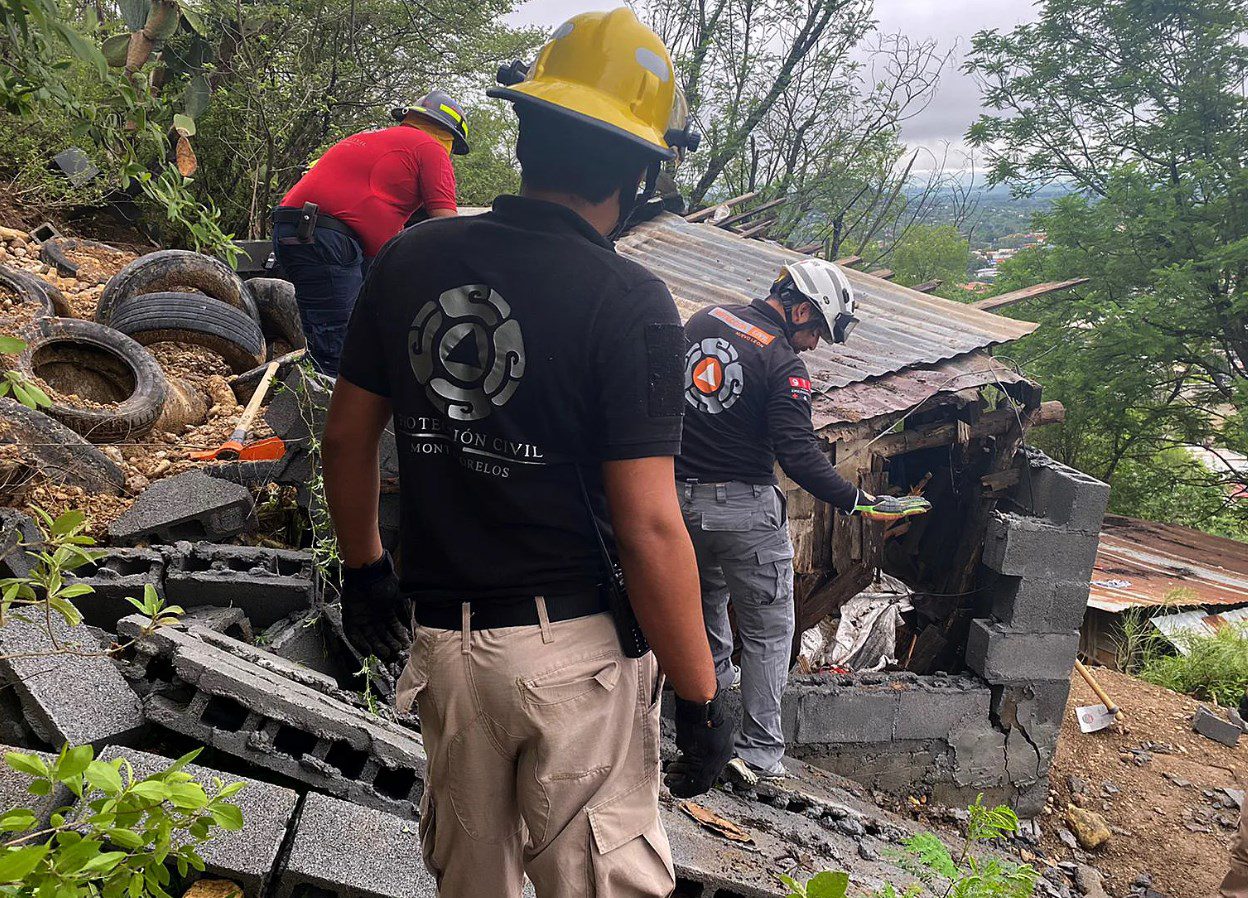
(248, 473)
(1066, 497)
(1214, 727)
(1039, 605)
(341, 850)
(14, 793)
(77, 699)
(300, 638)
(248, 855)
(189, 506)
(17, 530)
(230, 621)
(1027, 547)
(935, 707)
(1005, 656)
(267, 584)
(288, 719)
(118, 575)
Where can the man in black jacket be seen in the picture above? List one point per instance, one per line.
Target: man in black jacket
(747, 396)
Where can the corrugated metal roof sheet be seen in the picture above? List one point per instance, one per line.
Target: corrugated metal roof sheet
(705, 265)
(902, 391)
(1143, 563)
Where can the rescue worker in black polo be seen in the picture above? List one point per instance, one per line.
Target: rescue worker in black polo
(747, 396)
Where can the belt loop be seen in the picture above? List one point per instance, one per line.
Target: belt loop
(543, 620)
(721, 493)
(466, 612)
(688, 490)
(756, 489)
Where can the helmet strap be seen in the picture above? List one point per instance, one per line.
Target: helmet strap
(633, 201)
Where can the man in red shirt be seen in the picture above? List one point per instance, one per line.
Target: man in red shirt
(357, 196)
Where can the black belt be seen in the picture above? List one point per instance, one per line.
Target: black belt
(490, 614)
(291, 215)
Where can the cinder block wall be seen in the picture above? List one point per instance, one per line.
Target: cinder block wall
(993, 728)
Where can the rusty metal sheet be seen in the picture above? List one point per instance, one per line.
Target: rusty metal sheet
(901, 328)
(903, 391)
(1143, 563)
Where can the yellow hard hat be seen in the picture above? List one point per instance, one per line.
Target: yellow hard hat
(609, 70)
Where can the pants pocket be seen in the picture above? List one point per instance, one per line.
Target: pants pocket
(570, 686)
(629, 855)
(776, 566)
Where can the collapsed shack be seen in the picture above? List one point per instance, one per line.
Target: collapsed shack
(999, 569)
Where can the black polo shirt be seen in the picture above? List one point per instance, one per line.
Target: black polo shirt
(512, 345)
(748, 396)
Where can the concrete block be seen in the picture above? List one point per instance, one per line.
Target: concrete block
(846, 714)
(247, 856)
(1035, 549)
(300, 638)
(936, 707)
(1216, 728)
(979, 755)
(1004, 656)
(230, 621)
(77, 699)
(17, 531)
(275, 714)
(267, 584)
(1061, 494)
(248, 473)
(189, 506)
(1039, 605)
(120, 574)
(14, 793)
(341, 850)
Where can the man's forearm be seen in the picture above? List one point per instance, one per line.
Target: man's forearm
(352, 488)
(662, 576)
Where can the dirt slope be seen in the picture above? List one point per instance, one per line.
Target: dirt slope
(1164, 822)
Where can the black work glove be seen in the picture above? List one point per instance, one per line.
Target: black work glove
(376, 618)
(704, 737)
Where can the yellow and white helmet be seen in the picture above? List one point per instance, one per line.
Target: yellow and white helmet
(608, 70)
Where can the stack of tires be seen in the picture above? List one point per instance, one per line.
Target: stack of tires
(117, 390)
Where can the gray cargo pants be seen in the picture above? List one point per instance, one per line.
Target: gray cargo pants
(741, 537)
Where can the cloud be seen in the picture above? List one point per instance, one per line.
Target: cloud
(956, 104)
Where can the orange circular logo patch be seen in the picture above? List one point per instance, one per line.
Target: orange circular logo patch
(708, 375)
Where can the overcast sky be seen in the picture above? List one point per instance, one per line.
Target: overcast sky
(956, 103)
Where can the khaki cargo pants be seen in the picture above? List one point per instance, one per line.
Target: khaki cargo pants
(1236, 883)
(543, 748)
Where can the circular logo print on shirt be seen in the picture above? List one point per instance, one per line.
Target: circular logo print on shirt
(467, 351)
(713, 375)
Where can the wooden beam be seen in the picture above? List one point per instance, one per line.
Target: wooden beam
(757, 229)
(884, 274)
(990, 424)
(703, 214)
(810, 248)
(849, 261)
(1017, 296)
(928, 286)
(750, 213)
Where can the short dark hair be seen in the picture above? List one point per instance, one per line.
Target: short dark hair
(560, 153)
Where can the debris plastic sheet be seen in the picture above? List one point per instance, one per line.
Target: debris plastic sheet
(866, 636)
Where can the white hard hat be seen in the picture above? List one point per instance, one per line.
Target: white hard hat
(827, 288)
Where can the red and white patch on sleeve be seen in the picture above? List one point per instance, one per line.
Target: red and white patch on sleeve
(799, 388)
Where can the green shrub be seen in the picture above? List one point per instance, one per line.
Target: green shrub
(119, 836)
(1214, 668)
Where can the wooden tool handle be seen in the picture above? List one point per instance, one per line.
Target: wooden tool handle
(1096, 687)
(253, 405)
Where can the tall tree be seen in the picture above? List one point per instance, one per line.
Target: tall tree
(1139, 106)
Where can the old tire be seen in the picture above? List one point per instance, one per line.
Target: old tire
(56, 452)
(184, 405)
(56, 253)
(191, 318)
(123, 386)
(50, 301)
(279, 314)
(176, 270)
